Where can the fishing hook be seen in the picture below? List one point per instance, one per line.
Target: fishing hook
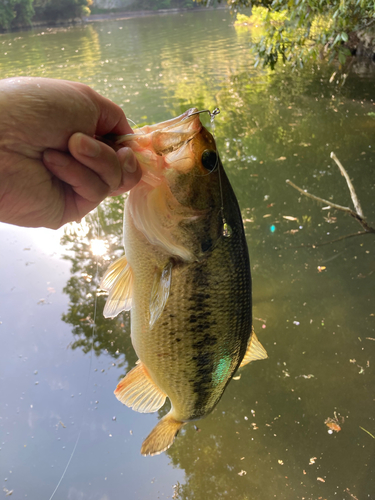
(212, 114)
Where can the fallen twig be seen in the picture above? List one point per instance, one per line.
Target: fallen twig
(353, 194)
(357, 214)
(369, 433)
(322, 200)
(351, 494)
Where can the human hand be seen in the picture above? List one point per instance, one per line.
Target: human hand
(52, 169)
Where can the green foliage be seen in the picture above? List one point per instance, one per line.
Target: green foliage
(7, 14)
(310, 29)
(62, 10)
(15, 12)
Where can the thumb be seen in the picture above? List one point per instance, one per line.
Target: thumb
(131, 170)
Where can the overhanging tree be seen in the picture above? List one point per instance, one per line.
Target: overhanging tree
(15, 12)
(295, 31)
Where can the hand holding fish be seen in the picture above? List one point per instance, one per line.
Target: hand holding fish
(52, 169)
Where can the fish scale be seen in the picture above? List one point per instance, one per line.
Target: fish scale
(187, 264)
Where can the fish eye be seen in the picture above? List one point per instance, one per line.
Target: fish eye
(209, 159)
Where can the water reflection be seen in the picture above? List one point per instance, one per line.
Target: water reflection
(86, 303)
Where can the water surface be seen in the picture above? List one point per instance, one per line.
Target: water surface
(314, 307)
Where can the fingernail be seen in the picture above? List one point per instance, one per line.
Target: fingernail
(88, 146)
(129, 163)
(53, 157)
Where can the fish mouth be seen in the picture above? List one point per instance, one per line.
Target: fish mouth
(164, 145)
(182, 128)
(176, 144)
(187, 116)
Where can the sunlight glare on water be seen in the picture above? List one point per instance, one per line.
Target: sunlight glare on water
(99, 248)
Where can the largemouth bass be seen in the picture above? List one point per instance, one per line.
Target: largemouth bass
(185, 276)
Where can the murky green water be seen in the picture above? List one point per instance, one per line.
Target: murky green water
(314, 307)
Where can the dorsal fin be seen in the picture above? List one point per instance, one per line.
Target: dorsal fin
(160, 292)
(118, 281)
(254, 350)
(138, 391)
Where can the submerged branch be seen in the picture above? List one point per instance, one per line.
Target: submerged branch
(356, 214)
(321, 200)
(353, 194)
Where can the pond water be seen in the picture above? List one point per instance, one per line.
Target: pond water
(314, 305)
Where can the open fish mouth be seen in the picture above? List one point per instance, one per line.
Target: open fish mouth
(185, 124)
(167, 136)
(177, 144)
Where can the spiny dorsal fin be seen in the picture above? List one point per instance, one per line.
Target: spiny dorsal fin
(118, 281)
(162, 436)
(138, 391)
(160, 292)
(254, 350)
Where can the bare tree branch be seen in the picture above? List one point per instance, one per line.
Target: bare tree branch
(322, 200)
(357, 214)
(353, 194)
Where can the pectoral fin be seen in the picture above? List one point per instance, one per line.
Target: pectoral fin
(254, 351)
(160, 292)
(138, 391)
(118, 281)
(162, 436)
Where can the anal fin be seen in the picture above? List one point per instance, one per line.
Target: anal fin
(254, 350)
(118, 281)
(162, 436)
(138, 391)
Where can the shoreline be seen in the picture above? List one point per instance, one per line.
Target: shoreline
(112, 16)
(118, 16)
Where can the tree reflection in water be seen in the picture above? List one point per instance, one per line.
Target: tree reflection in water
(111, 336)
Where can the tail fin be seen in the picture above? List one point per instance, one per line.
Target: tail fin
(162, 436)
